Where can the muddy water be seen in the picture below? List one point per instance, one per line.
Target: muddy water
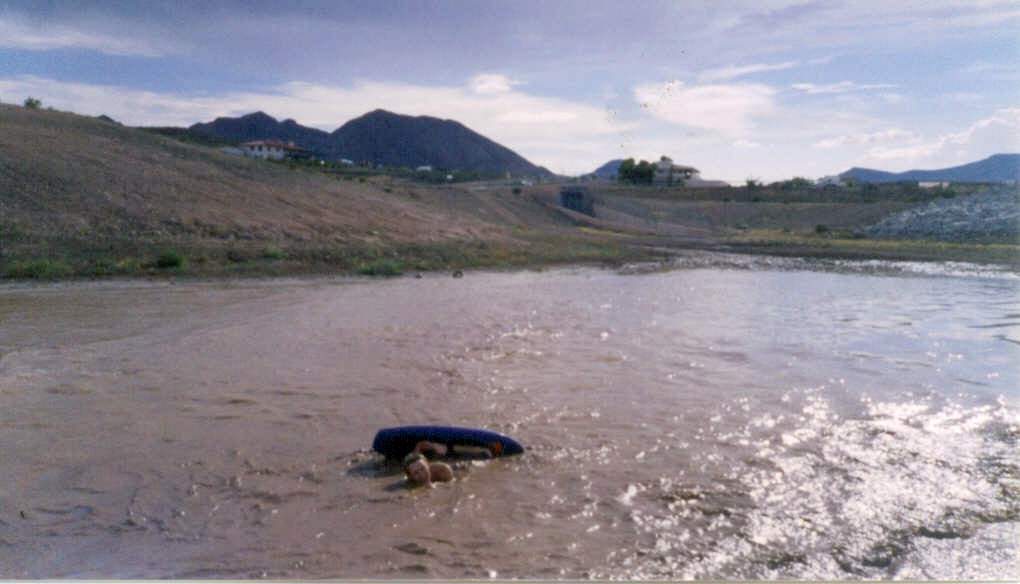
(729, 418)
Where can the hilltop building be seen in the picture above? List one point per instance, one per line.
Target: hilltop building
(668, 174)
(274, 150)
(831, 181)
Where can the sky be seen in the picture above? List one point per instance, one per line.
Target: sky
(762, 89)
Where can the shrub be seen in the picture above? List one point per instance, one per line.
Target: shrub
(33, 103)
(170, 259)
(821, 228)
(517, 190)
(271, 252)
(382, 268)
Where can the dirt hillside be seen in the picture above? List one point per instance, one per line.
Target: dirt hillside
(69, 176)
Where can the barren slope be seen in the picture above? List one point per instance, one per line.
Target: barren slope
(69, 176)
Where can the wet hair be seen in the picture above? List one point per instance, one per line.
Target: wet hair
(413, 457)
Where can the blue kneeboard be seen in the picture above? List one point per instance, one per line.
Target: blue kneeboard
(398, 442)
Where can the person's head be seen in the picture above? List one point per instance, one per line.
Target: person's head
(417, 469)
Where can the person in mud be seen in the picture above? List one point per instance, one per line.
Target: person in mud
(421, 471)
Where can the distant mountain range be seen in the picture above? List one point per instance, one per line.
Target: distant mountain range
(999, 168)
(382, 137)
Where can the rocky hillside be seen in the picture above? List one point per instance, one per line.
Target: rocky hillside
(382, 137)
(991, 215)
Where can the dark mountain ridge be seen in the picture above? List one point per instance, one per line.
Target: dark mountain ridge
(609, 170)
(998, 168)
(382, 137)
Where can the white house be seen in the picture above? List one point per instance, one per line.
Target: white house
(273, 150)
(833, 180)
(667, 173)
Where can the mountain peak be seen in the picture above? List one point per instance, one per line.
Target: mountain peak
(384, 137)
(259, 115)
(380, 112)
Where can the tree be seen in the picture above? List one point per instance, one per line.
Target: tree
(33, 103)
(797, 182)
(626, 170)
(640, 173)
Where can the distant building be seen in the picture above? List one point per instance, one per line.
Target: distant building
(832, 180)
(424, 168)
(274, 150)
(933, 184)
(668, 174)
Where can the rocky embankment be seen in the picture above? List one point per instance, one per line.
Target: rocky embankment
(991, 215)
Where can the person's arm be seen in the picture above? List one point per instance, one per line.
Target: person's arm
(430, 448)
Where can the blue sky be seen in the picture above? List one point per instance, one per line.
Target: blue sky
(759, 89)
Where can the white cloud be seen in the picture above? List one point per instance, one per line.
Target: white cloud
(488, 84)
(733, 71)
(742, 143)
(566, 136)
(21, 34)
(964, 97)
(840, 87)
(998, 133)
(726, 108)
(884, 137)
(893, 98)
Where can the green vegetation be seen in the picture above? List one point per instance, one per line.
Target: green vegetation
(33, 103)
(845, 245)
(797, 182)
(272, 252)
(640, 173)
(387, 267)
(41, 269)
(171, 259)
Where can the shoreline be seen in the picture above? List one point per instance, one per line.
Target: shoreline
(266, 260)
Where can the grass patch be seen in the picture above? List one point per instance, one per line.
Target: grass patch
(847, 245)
(44, 269)
(271, 252)
(382, 268)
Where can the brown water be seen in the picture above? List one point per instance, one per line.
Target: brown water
(731, 418)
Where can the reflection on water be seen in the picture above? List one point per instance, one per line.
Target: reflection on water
(727, 418)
